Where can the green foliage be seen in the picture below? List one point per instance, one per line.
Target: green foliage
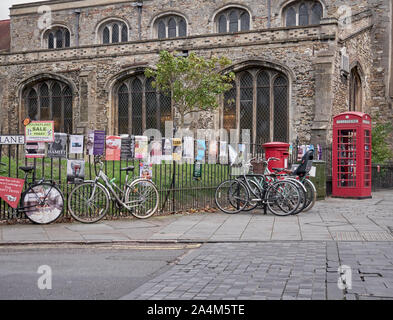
(194, 83)
(381, 151)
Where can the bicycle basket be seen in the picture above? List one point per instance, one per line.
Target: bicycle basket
(258, 167)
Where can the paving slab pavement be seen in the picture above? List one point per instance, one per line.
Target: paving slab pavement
(331, 219)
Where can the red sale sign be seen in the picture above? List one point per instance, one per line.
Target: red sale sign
(11, 190)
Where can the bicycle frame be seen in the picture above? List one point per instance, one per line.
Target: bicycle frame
(114, 193)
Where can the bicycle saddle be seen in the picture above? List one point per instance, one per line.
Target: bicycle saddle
(128, 169)
(26, 169)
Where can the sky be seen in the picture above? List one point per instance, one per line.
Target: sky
(6, 4)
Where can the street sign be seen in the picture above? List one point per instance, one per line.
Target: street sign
(12, 139)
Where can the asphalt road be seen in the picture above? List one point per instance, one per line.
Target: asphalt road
(82, 272)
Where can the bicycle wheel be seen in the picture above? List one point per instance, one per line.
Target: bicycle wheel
(303, 195)
(254, 192)
(311, 195)
(142, 197)
(283, 198)
(231, 196)
(42, 203)
(88, 202)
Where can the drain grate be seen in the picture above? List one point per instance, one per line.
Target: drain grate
(347, 236)
(362, 236)
(376, 236)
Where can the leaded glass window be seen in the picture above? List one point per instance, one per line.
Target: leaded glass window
(50, 100)
(106, 38)
(115, 33)
(258, 101)
(222, 24)
(233, 22)
(316, 14)
(280, 91)
(141, 107)
(303, 15)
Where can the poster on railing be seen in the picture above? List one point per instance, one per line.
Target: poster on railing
(166, 149)
(99, 142)
(146, 170)
(141, 147)
(201, 149)
(188, 150)
(232, 154)
(10, 190)
(75, 171)
(76, 144)
(90, 143)
(113, 148)
(40, 131)
(177, 149)
(35, 150)
(223, 152)
(155, 152)
(213, 149)
(127, 147)
(58, 148)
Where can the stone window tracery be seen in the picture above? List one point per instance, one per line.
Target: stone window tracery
(57, 37)
(50, 100)
(170, 26)
(113, 32)
(141, 107)
(258, 101)
(303, 13)
(233, 20)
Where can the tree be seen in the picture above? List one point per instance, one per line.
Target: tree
(193, 82)
(381, 152)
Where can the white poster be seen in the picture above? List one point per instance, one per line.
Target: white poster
(213, 152)
(141, 147)
(232, 154)
(223, 152)
(76, 144)
(90, 143)
(188, 152)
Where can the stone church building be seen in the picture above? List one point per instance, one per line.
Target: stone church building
(297, 63)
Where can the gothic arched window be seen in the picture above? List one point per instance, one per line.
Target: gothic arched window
(50, 100)
(170, 26)
(356, 91)
(303, 13)
(258, 101)
(233, 20)
(141, 107)
(113, 32)
(57, 37)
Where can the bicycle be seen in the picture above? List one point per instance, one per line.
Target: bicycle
(301, 175)
(89, 201)
(280, 197)
(257, 180)
(42, 202)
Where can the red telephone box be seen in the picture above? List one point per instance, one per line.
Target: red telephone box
(351, 155)
(277, 150)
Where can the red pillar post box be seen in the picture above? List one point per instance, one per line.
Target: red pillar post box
(351, 158)
(279, 150)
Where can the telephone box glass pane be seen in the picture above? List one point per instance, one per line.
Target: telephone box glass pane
(346, 156)
(367, 158)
